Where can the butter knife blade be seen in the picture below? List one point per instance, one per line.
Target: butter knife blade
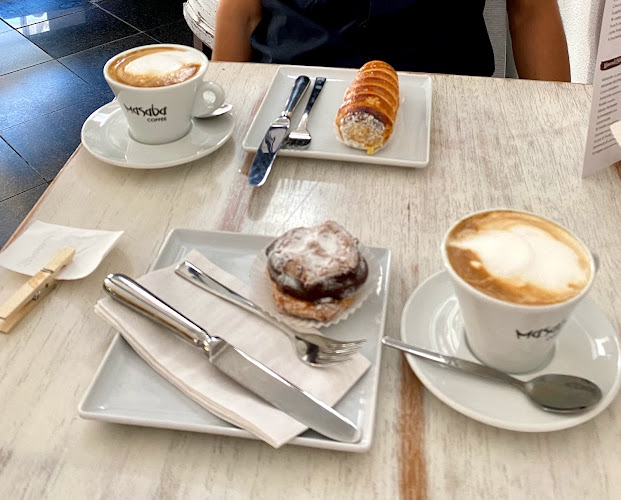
(275, 135)
(235, 363)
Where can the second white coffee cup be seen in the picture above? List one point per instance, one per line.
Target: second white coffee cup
(163, 113)
(508, 336)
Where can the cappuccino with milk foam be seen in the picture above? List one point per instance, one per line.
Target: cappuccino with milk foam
(518, 257)
(158, 66)
(160, 88)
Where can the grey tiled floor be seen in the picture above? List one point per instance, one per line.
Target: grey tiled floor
(52, 56)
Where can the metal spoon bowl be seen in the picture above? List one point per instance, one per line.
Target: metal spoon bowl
(552, 392)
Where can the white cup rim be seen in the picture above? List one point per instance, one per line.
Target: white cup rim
(198, 75)
(505, 303)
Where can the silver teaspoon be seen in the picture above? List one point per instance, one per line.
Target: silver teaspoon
(225, 108)
(552, 392)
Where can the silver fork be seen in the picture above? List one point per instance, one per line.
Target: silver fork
(311, 348)
(300, 137)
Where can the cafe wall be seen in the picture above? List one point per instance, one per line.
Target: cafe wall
(582, 21)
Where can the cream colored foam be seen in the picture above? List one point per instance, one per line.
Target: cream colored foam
(526, 254)
(155, 66)
(160, 64)
(519, 257)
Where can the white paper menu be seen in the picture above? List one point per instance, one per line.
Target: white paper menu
(602, 150)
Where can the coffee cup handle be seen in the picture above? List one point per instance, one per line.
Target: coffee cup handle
(595, 260)
(204, 106)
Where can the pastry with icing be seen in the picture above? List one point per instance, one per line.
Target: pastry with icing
(315, 271)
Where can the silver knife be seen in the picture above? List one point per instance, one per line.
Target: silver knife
(278, 130)
(235, 363)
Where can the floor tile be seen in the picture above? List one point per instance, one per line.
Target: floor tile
(16, 176)
(15, 209)
(4, 27)
(178, 32)
(20, 13)
(18, 52)
(77, 32)
(36, 91)
(47, 143)
(89, 64)
(145, 14)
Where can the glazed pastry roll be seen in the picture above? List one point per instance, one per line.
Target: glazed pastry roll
(367, 116)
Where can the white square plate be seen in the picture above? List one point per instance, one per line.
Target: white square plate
(126, 390)
(407, 147)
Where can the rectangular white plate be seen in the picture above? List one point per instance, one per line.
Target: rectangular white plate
(126, 390)
(407, 147)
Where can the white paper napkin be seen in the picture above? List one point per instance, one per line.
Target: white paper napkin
(36, 246)
(190, 371)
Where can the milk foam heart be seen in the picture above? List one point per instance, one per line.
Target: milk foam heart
(519, 258)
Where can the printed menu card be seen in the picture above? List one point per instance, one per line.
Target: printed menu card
(602, 149)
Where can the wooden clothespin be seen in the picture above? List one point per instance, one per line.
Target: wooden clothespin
(31, 293)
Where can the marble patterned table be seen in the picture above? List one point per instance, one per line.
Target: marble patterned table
(494, 143)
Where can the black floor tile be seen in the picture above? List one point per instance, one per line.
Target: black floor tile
(89, 64)
(178, 32)
(145, 14)
(43, 105)
(20, 13)
(48, 143)
(15, 209)
(4, 27)
(77, 32)
(33, 92)
(15, 174)
(18, 52)
(107, 94)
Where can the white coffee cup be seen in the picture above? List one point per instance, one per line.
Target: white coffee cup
(158, 111)
(509, 336)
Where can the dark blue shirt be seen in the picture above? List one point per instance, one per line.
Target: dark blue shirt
(435, 36)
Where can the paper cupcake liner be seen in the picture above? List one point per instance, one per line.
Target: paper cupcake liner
(261, 292)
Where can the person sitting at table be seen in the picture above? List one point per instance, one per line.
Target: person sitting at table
(432, 36)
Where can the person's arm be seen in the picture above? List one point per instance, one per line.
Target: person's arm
(235, 22)
(538, 38)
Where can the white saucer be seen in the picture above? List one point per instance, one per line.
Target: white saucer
(587, 347)
(105, 136)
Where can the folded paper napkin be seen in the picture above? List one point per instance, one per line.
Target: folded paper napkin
(190, 371)
(38, 244)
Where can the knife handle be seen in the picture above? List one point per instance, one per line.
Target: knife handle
(128, 292)
(299, 87)
(319, 82)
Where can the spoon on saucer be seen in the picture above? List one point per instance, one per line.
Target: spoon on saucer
(225, 108)
(551, 392)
